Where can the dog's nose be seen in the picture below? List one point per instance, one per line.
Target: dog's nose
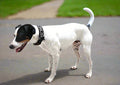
(11, 46)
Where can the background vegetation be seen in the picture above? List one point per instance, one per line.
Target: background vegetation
(9, 7)
(74, 8)
(70, 8)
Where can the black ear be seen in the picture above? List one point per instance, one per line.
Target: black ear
(18, 26)
(29, 28)
(33, 30)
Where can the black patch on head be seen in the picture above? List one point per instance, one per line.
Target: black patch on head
(25, 32)
(18, 26)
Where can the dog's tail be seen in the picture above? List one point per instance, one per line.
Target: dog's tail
(91, 20)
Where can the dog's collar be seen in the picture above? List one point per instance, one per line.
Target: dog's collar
(41, 36)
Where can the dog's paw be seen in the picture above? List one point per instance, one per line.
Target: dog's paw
(73, 68)
(88, 75)
(49, 80)
(47, 70)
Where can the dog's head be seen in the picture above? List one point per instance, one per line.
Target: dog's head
(22, 35)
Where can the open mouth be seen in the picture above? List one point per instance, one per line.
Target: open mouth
(19, 49)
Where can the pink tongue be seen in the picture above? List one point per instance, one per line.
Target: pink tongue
(19, 49)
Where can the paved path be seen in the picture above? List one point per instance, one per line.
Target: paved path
(46, 10)
(27, 67)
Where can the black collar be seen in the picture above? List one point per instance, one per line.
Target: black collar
(41, 36)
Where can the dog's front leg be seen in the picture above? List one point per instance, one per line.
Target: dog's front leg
(54, 68)
(50, 62)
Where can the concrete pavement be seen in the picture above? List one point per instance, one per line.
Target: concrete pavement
(27, 67)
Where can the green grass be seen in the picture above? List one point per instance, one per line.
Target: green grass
(9, 7)
(74, 8)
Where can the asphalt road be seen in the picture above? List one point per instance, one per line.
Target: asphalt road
(27, 67)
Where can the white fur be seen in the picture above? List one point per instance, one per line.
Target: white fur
(59, 37)
(91, 16)
(16, 44)
(62, 36)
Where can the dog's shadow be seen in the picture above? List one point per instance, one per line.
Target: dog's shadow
(38, 77)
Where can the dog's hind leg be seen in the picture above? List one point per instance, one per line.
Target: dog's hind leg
(76, 46)
(87, 53)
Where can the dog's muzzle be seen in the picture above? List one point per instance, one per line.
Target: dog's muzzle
(18, 49)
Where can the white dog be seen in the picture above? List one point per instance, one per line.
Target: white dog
(53, 39)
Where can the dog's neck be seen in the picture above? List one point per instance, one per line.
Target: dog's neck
(41, 35)
(38, 37)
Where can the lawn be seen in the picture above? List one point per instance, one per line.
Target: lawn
(9, 7)
(74, 8)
